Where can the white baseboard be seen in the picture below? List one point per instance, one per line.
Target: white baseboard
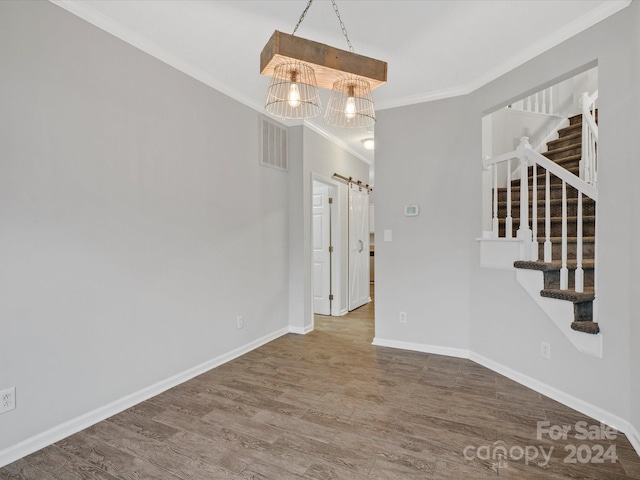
(597, 413)
(301, 330)
(634, 437)
(566, 399)
(48, 437)
(420, 347)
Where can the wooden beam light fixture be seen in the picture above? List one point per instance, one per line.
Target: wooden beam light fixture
(296, 64)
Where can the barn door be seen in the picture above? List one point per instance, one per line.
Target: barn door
(358, 246)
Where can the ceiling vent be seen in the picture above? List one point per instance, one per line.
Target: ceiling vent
(273, 145)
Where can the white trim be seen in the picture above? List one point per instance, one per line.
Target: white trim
(578, 404)
(633, 435)
(301, 330)
(420, 347)
(586, 21)
(75, 425)
(142, 43)
(424, 97)
(321, 131)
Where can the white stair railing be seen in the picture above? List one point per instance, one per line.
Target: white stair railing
(589, 162)
(528, 232)
(539, 102)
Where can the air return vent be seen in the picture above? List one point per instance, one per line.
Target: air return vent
(273, 145)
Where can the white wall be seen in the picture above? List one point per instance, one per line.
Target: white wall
(422, 158)
(135, 222)
(321, 158)
(633, 159)
(431, 154)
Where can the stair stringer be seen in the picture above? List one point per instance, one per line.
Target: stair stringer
(559, 311)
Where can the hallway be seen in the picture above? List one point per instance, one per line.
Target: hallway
(329, 405)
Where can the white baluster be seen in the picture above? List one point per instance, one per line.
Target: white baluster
(534, 215)
(528, 107)
(584, 161)
(495, 224)
(508, 222)
(564, 272)
(524, 232)
(536, 104)
(551, 106)
(579, 271)
(544, 102)
(547, 220)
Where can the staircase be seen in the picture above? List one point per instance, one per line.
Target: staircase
(566, 152)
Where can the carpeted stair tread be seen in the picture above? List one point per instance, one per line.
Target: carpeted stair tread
(590, 239)
(552, 201)
(575, 137)
(570, 219)
(566, 152)
(587, 296)
(566, 159)
(564, 148)
(586, 327)
(539, 265)
(570, 130)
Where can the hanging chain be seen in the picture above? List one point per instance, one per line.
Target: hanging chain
(304, 12)
(344, 29)
(335, 9)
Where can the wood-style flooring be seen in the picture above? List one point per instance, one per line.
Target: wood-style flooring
(329, 405)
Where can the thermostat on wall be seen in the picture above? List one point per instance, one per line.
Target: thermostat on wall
(411, 210)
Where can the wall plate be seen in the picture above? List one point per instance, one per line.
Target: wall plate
(411, 210)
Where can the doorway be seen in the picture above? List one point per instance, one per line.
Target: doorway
(359, 247)
(322, 236)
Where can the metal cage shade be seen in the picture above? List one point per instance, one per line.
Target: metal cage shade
(350, 104)
(293, 92)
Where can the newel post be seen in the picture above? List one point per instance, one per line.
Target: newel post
(524, 232)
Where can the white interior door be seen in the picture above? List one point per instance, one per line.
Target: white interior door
(321, 232)
(358, 246)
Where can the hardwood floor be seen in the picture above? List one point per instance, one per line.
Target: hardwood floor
(329, 405)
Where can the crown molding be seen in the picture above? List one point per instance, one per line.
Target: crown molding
(586, 21)
(321, 131)
(81, 10)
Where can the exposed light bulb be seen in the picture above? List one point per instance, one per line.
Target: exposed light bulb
(350, 108)
(294, 95)
(293, 98)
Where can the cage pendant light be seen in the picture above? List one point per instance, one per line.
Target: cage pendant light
(293, 92)
(350, 104)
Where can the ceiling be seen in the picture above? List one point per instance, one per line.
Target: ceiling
(434, 48)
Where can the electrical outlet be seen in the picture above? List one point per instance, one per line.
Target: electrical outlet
(403, 317)
(240, 322)
(7, 399)
(545, 350)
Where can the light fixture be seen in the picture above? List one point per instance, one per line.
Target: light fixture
(332, 68)
(368, 143)
(350, 104)
(293, 92)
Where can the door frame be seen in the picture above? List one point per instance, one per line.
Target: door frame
(336, 284)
